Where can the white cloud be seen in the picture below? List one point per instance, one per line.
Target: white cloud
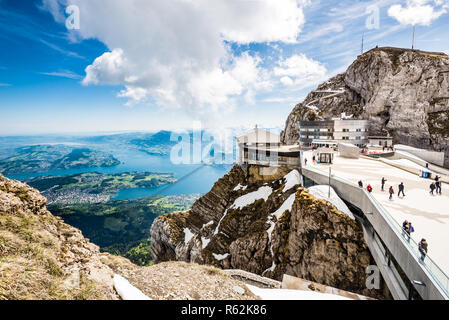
(286, 81)
(63, 74)
(176, 51)
(300, 71)
(419, 12)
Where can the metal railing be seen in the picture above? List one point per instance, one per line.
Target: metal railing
(440, 277)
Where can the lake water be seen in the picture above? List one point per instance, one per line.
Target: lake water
(192, 178)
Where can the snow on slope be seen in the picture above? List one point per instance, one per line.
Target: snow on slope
(250, 198)
(126, 290)
(188, 235)
(245, 200)
(292, 179)
(322, 192)
(285, 294)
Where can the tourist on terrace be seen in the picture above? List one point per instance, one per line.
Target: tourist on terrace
(438, 185)
(401, 189)
(369, 188)
(404, 227)
(409, 230)
(383, 183)
(422, 246)
(360, 184)
(432, 188)
(391, 192)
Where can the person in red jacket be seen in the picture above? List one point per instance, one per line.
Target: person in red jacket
(391, 192)
(369, 188)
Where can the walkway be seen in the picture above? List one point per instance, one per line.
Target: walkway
(429, 214)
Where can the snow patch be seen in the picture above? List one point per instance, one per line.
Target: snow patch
(208, 224)
(126, 290)
(286, 294)
(204, 242)
(220, 257)
(250, 198)
(240, 187)
(322, 192)
(292, 179)
(188, 235)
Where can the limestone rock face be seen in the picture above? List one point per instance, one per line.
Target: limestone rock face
(42, 256)
(402, 92)
(267, 225)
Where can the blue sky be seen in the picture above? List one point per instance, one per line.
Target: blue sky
(147, 65)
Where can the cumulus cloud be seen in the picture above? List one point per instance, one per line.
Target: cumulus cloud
(300, 71)
(419, 12)
(178, 52)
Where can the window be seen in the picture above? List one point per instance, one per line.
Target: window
(358, 138)
(358, 130)
(345, 130)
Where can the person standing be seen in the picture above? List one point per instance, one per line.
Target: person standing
(409, 230)
(360, 184)
(404, 227)
(383, 183)
(438, 185)
(401, 189)
(432, 188)
(391, 192)
(422, 247)
(305, 161)
(369, 188)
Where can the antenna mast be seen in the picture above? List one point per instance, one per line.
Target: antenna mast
(363, 36)
(413, 38)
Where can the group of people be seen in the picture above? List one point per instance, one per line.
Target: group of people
(401, 188)
(435, 186)
(422, 245)
(407, 228)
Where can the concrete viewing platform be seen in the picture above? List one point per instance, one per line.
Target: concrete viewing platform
(429, 214)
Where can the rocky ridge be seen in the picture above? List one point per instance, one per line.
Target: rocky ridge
(267, 225)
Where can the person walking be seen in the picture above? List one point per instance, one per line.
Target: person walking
(305, 161)
(391, 192)
(422, 246)
(360, 184)
(383, 183)
(369, 188)
(401, 189)
(432, 188)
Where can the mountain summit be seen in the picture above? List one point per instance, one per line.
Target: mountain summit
(404, 93)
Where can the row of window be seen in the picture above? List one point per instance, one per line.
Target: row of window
(331, 130)
(332, 138)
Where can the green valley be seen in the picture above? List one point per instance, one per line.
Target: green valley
(122, 227)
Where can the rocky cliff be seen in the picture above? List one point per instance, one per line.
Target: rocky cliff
(43, 258)
(404, 93)
(266, 224)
